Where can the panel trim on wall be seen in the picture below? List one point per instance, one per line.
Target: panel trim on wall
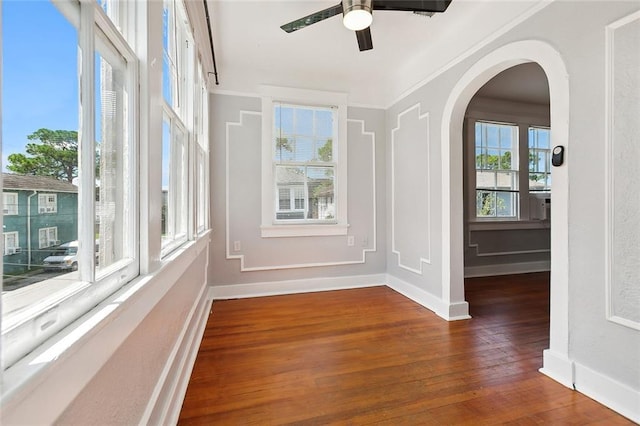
(241, 257)
(422, 259)
(610, 166)
(166, 401)
(480, 253)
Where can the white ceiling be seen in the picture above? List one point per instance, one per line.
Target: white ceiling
(251, 49)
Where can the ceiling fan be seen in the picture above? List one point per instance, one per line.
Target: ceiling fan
(357, 15)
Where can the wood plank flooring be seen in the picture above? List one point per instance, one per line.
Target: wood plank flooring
(371, 355)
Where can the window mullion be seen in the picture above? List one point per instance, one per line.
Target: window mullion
(86, 169)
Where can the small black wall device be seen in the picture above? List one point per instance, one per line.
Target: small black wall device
(557, 157)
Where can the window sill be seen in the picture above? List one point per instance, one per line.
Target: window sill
(499, 225)
(291, 230)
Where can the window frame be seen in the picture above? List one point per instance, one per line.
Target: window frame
(6, 247)
(50, 242)
(515, 173)
(13, 210)
(270, 227)
(181, 114)
(47, 207)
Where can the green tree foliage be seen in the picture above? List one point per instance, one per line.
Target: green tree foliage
(325, 152)
(494, 162)
(55, 154)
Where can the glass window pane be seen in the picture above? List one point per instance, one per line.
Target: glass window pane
(304, 121)
(112, 202)
(166, 232)
(321, 193)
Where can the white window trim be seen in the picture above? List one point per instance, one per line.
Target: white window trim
(269, 228)
(13, 210)
(43, 208)
(8, 250)
(50, 242)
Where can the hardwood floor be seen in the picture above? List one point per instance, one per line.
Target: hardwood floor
(373, 356)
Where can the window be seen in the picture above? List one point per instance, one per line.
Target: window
(98, 62)
(304, 163)
(11, 243)
(539, 159)
(496, 158)
(511, 161)
(202, 153)
(9, 203)
(112, 116)
(47, 203)
(178, 88)
(48, 237)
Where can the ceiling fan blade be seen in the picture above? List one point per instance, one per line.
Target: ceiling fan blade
(412, 5)
(312, 19)
(364, 39)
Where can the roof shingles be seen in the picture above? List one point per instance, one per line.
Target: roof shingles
(14, 182)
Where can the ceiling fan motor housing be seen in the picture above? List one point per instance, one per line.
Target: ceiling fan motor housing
(357, 14)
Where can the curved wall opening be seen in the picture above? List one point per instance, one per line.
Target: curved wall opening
(556, 362)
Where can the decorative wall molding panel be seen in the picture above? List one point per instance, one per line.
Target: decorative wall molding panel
(508, 242)
(247, 131)
(623, 180)
(411, 190)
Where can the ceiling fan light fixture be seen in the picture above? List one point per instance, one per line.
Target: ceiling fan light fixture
(357, 14)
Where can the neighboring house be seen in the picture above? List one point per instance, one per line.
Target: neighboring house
(39, 212)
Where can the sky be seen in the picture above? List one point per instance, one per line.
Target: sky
(39, 72)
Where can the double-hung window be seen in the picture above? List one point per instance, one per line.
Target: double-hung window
(496, 159)
(11, 243)
(47, 203)
(539, 142)
(304, 163)
(48, 237)
(9, 203)
(178, 87)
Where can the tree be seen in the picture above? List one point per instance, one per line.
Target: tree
(55, 154)
(325, 152)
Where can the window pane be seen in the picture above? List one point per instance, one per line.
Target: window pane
(112, 203)
(321, 193)
(539, 159)
(166, 167)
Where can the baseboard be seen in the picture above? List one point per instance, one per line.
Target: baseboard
(166, 401)
(506, 269)
(450, 312)
(609, 392)
(557, 367)
(310, 285)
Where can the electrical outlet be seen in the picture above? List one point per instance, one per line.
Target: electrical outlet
(365, 241)
(351, 240)
(236, 246)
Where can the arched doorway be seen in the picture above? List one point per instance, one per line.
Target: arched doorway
(556, 363)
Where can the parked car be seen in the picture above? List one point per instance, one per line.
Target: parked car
(63, 257)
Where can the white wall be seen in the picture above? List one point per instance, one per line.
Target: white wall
(605, 355)
(269, 265)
